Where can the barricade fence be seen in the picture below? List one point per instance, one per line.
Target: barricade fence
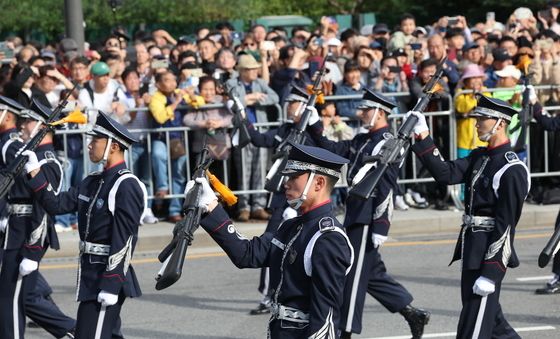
(435, 119)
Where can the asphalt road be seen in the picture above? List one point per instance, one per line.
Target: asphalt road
(213, 298)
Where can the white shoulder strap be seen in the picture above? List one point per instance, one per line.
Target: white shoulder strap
(115, 188)
(5, 148)
(309, 250)
(498, 176)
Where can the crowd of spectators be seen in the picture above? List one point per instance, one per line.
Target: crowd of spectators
(153, 80)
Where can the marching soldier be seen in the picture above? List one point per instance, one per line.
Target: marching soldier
(279, 206)
(308, 255)
(29, 232)
(108, 230)
(497, 183)
(549, 124)
(367, 223)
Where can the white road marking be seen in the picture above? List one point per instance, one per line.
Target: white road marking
(543, 277)
(452, 334)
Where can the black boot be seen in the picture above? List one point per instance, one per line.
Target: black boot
(550, 288)
(261, 309)
(416, 319)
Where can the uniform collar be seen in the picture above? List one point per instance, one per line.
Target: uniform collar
(8, 131)
(114, 169)
(379, 131)
(317, 210)
(45, 147)
(503, 148)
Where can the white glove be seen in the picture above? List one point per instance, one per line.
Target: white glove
(107, 299)
(289, 213)
(207, 195)
(421, 125)
(532, 94)
(483, 286)
(313, 116)
(27, 266)
(3, 224)
(32, 161)
(378, 239)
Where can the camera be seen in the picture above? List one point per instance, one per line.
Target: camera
(452, 21)
(415, 46)
(394, 69)
(268, 45)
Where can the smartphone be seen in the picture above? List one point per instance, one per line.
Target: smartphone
(394, 69)
(197, 72)
(490, 16)
(268, 45)
(452, 21)
(160, 63)
(415, 46)
(4, 49)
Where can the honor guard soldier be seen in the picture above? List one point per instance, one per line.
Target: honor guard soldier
(29, 232)
(367, 222)
(308, 255)
(550, 124)
(496, 185)
(108, 230)
(273, 138)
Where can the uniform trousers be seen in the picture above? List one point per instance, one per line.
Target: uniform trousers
(368, 274)
(482, 317)
(99, 322)
(11, 296)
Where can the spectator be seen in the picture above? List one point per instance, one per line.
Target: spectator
(163, 107)
(510, 91)
(79, 72)
(501, 59)
(392, 79)
(207, 51)
(259, 33)
(142, 63)
(141, 119)
(369, 65)
(509, 44)
(19, 86)
(104, 94)
(546, 70)
(46, 83)
(403, 36)
(210, 127)
(471, 55)
(290, 71)
(436, 49)
(226, 65)
(351, 85)
(254, 93)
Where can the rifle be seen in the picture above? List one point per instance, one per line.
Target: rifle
(274, 178)
(14, 169)
(240, 136)
(395, 148)
(551, 248)
(526, 112)
(173, 255)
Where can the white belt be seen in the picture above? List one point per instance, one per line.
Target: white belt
(473, 221)
(289, 313)
(20, 209)
(87, 247)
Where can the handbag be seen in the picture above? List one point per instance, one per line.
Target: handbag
(176, 148)
(219, 145)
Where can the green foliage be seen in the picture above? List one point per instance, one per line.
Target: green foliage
(46, 16)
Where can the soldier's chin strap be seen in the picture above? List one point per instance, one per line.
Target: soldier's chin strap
(3, 115)
(373, 118)
(106, 153)
(488, 135)
(36, 129)
(296, 203)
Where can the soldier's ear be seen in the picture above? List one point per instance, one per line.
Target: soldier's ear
(320, 182)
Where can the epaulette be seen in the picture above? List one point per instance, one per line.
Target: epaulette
(49, 155)
(387, 136)
(124, 171)
(326, 224)
(511, 157)
(14, 136)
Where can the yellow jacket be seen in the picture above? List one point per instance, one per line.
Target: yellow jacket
(467, 137)
(162, 110)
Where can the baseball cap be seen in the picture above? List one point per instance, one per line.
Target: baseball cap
(500, 54)
(100, 68)
(380, 28)
(509, 71)
(469, 45)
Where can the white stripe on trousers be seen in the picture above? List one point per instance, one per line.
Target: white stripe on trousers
(15, 306)
(480, 317)
(356, 281)
(100, 320)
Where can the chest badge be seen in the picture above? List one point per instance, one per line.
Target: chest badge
(99, 203)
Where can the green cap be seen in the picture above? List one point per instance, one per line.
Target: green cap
(100, 68)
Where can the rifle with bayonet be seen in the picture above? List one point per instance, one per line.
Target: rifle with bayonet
(173, 255)
(14, 168)
(240, 136)
(526, 113)
(394, 149)
(274, 178)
